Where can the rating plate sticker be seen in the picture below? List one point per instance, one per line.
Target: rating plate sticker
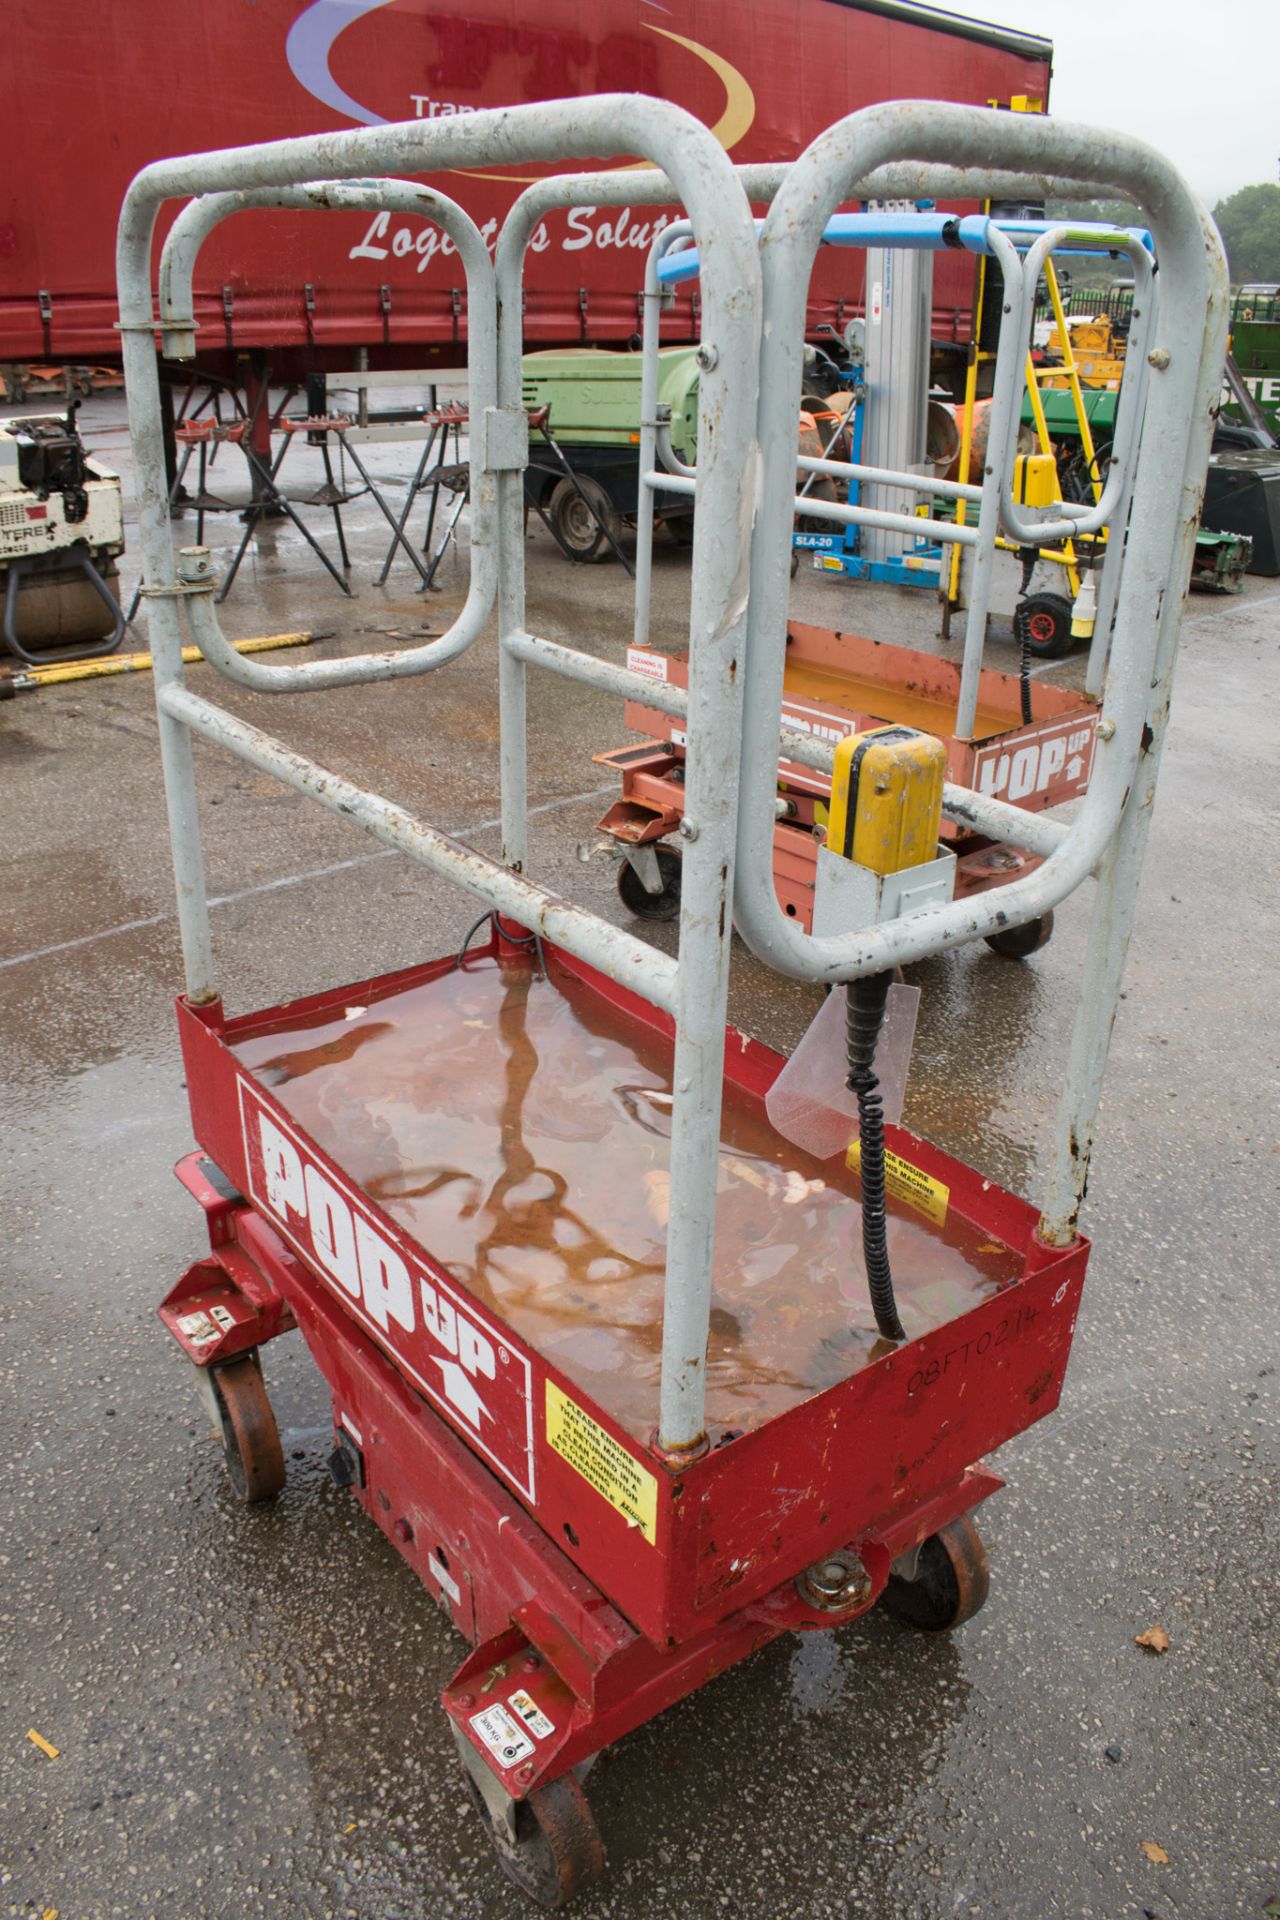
(507, 1742)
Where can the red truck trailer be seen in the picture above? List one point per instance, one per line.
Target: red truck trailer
(87, 97)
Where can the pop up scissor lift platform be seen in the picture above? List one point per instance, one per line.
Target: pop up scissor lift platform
(504, 1194)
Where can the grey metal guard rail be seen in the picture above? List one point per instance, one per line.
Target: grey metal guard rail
(981, 813)
(1075, 520)
(1109, 833)
(178, 328)
(994, 497)
(694, 988)
(735, 633)
(998, 820)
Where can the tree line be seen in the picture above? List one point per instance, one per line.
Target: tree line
(1248, 220)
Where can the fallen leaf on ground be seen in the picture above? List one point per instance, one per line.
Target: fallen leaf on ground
(1155, 1854)
(743, 1170)
(657, 1196)
(1155, 1640)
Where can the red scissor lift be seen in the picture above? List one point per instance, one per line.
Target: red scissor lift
(597, 1340)
(597, 1580)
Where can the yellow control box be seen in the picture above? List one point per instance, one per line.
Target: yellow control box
(886, 798)
(1035, 480)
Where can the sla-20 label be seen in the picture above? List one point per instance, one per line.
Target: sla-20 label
(434, 1332)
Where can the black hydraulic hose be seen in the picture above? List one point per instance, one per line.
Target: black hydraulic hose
(864, 1016)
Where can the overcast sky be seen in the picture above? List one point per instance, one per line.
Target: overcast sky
(1200, 81)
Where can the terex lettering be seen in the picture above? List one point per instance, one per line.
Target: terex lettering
(436, 1335)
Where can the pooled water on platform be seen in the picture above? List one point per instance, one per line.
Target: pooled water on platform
(518, 1129)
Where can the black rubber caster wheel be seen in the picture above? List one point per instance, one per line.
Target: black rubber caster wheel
(1016, 943)
(652, 906)
(579, 516)
(557, 1850)
(951, 1581)
(1042, 622)
(250, 1437)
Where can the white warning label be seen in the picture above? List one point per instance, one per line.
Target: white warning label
(652, 665)
(505, 1740)
(531, 1713)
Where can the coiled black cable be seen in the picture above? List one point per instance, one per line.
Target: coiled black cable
(1022, 632)
(1022, 627)
(864, 1017)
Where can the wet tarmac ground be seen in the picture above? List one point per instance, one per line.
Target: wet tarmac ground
(245, 1703)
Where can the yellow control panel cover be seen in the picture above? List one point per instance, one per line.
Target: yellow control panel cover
(1035, 480)
(886, 798)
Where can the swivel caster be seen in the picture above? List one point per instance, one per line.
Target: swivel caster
(242, 1419)
(949, 1582)
(1017, 943)
(636, 897)
(548, 1843)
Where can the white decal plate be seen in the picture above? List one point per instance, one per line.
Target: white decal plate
(508, 1743)
(531, 1713)
(652, 665)
(198, 1328)
(445, 1578)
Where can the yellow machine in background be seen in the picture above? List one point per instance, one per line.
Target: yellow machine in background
(1093, 347)
(1052, 601)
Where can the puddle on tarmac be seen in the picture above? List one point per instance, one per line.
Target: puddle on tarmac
(519, 1131)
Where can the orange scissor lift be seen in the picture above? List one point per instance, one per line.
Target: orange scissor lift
(1032, 747)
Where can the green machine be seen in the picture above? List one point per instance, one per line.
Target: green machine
(1255, 348)
(592, 426)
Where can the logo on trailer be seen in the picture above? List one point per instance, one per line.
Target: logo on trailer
(313, 35)
(435, 1334)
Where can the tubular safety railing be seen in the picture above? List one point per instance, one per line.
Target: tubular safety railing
(1109, 833)
(670, 263)
(744, 492)
(188, 234)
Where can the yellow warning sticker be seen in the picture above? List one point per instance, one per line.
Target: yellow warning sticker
(912, 1185)
(602, 1461)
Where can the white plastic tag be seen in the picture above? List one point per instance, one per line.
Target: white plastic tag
(809, 1103)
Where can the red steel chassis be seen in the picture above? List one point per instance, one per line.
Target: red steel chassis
(600, 1618)
(1035, 765)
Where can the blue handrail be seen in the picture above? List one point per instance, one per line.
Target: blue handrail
(934, 233)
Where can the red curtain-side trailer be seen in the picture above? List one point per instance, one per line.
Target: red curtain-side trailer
(88, 96)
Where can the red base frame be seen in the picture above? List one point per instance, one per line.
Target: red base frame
(595, 1619)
